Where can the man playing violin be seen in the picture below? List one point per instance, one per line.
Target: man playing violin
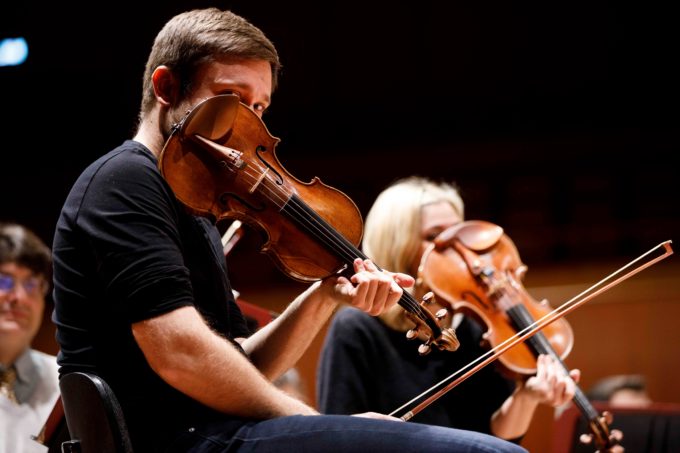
(142, 296)
(388, 372)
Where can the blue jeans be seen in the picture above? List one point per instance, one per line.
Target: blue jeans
(337, 433)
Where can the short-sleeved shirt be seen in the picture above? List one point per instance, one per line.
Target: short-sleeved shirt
(366, 366)
(125, 250)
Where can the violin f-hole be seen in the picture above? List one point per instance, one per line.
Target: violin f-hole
(261, 149)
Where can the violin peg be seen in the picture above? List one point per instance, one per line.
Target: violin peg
(616, 436)
(585, 439)
(428, 298)
(485, 342)
(607, 417)
(521, 271)
(411, 334)
(424, 349)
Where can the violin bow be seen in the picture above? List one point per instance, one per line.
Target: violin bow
(231, 236)
(438, 390)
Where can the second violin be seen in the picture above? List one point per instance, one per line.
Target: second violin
(476, 269)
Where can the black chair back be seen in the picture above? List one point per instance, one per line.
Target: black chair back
(94, 417)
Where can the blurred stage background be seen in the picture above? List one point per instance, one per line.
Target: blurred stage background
(557, 120)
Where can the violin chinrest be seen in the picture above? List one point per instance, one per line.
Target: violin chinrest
(476, 235)
(212, 118)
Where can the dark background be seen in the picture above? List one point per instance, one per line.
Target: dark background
(558, 120)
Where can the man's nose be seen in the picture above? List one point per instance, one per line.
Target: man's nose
(16, 292)
(11, 296)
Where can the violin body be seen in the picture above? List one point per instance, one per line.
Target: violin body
(222, 182)
(498, 301)
(476, 269)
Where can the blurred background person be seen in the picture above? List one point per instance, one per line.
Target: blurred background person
(28, 378)
(621, 390)
(368, 364)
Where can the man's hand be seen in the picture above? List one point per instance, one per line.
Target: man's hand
(370, 289)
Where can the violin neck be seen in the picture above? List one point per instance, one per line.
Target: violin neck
(539, 344)
(307, 218)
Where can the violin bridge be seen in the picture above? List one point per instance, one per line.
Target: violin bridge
(259, 180)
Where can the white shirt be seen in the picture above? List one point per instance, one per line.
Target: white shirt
(37, 389)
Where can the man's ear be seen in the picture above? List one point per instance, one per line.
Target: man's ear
(165, 86)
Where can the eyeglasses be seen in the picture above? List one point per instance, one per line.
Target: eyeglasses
(33, 286)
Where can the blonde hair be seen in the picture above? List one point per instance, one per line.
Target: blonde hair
(392, 232)
(392, 229)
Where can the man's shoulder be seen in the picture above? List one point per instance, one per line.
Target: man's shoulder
(39, 370)
(47, 362)
(123, 169)
(46, 389)
(127, 156)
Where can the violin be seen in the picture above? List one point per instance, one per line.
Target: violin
(476, 269)
(220, 162)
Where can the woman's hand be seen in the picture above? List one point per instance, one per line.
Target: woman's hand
(550, 385)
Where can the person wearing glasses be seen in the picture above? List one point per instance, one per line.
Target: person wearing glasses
(28, 378)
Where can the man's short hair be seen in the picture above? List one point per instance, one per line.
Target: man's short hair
(21, 246)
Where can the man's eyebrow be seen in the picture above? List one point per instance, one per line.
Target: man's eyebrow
(226, 85)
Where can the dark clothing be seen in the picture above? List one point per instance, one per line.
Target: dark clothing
(366, 366)
(339, 434)
(126, 251)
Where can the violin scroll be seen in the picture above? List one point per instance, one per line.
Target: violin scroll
(447, 341)
(604, 439)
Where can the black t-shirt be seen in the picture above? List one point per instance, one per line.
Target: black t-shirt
(366, 366)
(124, 251)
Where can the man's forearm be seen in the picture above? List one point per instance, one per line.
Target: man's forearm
(280, 344)
(186, 354)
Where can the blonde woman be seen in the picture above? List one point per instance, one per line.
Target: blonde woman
(368, 364)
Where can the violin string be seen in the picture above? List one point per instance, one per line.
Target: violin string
(317, 227)
(557, 313)
(540, 344)
(315, 224)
